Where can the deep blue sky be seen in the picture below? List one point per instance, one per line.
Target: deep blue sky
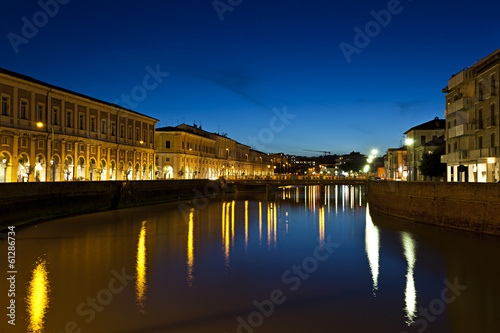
(229, 75)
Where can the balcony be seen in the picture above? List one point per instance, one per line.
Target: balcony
(450, 158)
(456, 80)
(460, 130)
(464, 103)
(484, 153)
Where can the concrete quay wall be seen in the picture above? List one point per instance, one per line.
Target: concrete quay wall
(22, 203)
(467, 206)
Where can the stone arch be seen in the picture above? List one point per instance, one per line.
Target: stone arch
(40, 168)
(80, 168)
(68, 168)
(5, 167)
(92, 169)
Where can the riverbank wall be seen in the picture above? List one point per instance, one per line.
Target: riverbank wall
(22, 203)
(466, 206)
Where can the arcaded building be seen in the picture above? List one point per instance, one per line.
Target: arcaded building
(48, 133)
(189, 152)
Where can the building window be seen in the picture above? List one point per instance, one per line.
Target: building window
(68, 118)
(182, 144)
(69, 146)
(167, 144)
(41, 144)
(39, 112)
(5, 140)
(103, 126)
(480, 142)
(144, 135)
(81, 121)
(167, 159)
(24, 142)
(130, 132)
(22, 109)
(55, 114)
(92, 124)
(82, 148)
(113, 129)
(422, 140)
(151, 136)
(137, 134)
(455, 146)
(480, 93)
(122, 131)
(493, 85)
(5, 105)
(492, 139)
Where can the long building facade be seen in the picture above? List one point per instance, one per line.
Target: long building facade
(472, 122)
(189, 152)
(48, 133)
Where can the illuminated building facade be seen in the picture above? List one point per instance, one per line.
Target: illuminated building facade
(189, 152)
(472, 125)
(48, 133)
(418, 140)
(396, 163)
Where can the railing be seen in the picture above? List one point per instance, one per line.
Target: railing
(479, 124)
(484, 153)
(460, 104)
(456, 80)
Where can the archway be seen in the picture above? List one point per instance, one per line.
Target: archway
(40, 168)
(112, 171)
(4, 163)
(68, 168)
(103, 174)
(168, 172)
(92, 170)
(130, 171)
(144, 172)
(55, 174)
(151, 172)
(23, 168)
(80, 169)
(137, 172)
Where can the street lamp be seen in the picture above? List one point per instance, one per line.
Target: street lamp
(41, 125)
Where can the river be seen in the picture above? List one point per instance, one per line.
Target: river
(310, 259)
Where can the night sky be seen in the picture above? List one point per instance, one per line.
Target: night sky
(234, 65)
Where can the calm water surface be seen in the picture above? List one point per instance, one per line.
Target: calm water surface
(307, 260)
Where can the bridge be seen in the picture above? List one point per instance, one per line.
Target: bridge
(270, 185)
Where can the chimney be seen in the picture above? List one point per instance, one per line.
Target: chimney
(436, 121)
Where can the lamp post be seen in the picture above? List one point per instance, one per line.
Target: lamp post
(49, 154)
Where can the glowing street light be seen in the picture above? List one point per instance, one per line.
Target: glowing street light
(374, 152)
(42, 125)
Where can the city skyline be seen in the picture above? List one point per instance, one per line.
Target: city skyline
(350, 76)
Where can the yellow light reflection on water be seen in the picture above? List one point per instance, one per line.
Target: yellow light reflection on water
(227, 235)
(409, 246)
(223, 221)
(232, 222)
(274, 227)
(190, 250)
(140, 280)
(260, 223)
(37, 298)
(246, 224)
(372, 247)
(269, 218)
(321, 227)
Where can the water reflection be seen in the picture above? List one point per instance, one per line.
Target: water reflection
(246, 224)
(226, 240)
(409, 246)
(321, 228)
(372, 247)
(190, 250)
(141, 283)
(260, 223)
(37, 299)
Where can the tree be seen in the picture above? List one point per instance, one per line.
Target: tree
(431, 163)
